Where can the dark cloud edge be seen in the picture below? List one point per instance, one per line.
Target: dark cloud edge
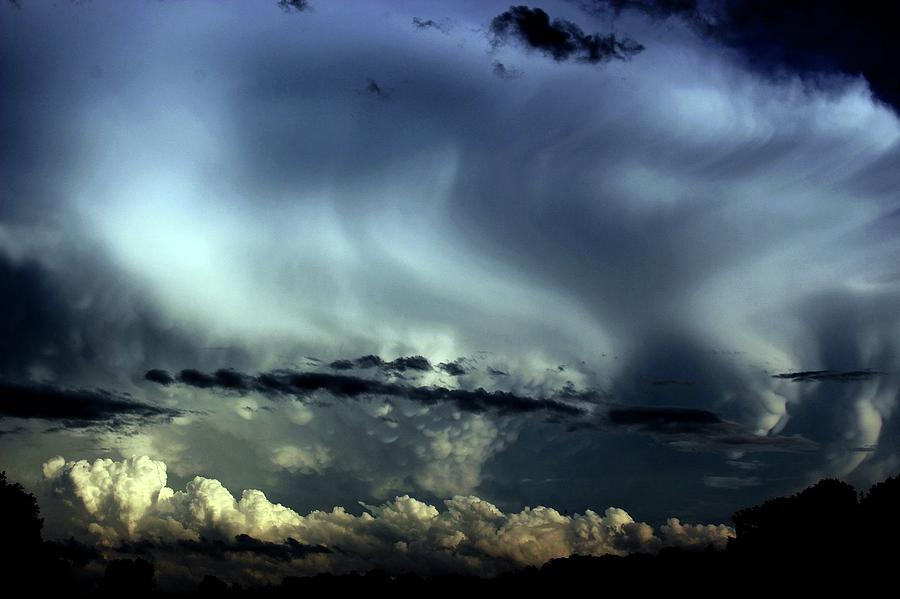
(823, 38)
(840, 376)
(561, 39)
(686, 428)
(77, 408)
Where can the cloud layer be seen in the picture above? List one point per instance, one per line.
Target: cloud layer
(77, 407)
(128, 502)
(258, 203)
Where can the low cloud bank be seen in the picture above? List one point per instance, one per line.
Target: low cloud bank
(127, 503)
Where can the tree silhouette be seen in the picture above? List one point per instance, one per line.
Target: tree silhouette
(820, 539)
(880, 511)
(819, 521)
(22, 529)
(20, 542)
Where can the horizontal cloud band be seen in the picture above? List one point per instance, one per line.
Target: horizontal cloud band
(127, 504)
(75, 407)
(286, 382)
(691, 428)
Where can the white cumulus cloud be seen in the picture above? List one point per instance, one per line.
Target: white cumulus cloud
(129, 500)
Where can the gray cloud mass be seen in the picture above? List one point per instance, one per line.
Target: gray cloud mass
(440, 263)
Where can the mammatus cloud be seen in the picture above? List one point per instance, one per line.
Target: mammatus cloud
(128, 502)
(76, 407)
(561, 39)
(305, 460)
(686, 428)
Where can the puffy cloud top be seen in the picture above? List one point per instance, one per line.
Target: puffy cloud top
(128, 501)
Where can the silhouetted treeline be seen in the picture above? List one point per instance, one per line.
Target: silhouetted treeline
(825, 538)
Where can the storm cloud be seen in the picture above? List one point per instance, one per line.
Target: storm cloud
(828, 375)
(812, 39)
(400, 364)
(351, 253)
(561, 39)
(700, 428)
(690, 428)
(76, 407)
(302, 384)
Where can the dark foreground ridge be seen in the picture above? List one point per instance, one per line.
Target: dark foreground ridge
(827, 537)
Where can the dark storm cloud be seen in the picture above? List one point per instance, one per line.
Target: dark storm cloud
(30, 313)
(675, 410)
(659, 9)
(369, 361)
(419, 363)
(78, 323)
(561, 39)
(700, 428)
(691, 428)
(159, 376)
(797, 36)
(224, 378)
(291, 125)
(293, 5)
(301, 384)
(341, 365)
(75, 407)
(401, 364)
(844, 411)
(828, 375)
(454, 368)
(287, 551)
(663, 419)
(420, 23)
(855, 38)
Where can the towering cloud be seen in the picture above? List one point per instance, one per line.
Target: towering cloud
(127, 505)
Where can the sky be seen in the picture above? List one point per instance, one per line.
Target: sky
(442, 286)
